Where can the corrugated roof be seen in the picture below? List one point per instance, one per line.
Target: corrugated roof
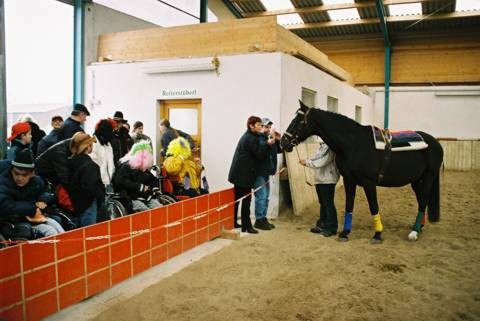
(369, 12)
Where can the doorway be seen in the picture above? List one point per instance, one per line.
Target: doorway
(185, 115)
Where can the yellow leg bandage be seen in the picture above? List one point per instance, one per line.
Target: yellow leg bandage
(377, 223)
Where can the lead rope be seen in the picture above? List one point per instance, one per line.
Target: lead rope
(304, 167)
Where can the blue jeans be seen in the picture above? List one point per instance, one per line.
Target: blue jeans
(49, 228)
(261, 196)
(89, 216)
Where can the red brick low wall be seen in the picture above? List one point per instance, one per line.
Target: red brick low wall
(37, 280)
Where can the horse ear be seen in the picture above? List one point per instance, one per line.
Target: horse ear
(302, 105)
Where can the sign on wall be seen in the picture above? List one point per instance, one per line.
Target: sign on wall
(179, 93)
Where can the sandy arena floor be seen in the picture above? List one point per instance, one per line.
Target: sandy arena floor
(292, 274)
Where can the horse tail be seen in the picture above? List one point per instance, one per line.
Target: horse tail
(434, 201)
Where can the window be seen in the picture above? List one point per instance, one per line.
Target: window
(309, 96)
(332, 104)
(358, 114)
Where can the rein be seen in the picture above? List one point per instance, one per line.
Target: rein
(294, 140)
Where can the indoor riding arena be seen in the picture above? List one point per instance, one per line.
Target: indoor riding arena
(297, 160)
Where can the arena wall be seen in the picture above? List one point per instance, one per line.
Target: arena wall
(39, 279)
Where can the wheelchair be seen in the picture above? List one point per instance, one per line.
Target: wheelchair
(12, 232)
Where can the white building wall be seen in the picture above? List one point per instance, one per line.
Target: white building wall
(246, 85)
(297, 74)
(452, 111)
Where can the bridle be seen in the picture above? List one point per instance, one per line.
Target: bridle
(293, 138)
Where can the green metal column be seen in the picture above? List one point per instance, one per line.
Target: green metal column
(388, 66)
(203, 11)
(3, 80)
(386, 39)
(78, 51)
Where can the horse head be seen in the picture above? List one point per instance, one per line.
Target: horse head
(298, 130)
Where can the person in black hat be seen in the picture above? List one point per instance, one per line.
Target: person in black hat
(121, 141)
(74, 123)
(23, 197)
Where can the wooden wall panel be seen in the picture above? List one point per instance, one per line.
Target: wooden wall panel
(211, 39)
(414, 61)
(462, 155)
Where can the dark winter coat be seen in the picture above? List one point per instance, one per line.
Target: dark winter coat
(85, 182)
(121, 144)
(53, 163)
(17, 202)
(37, 135)
(269, 165)
(170, 134)
(130, 182)
(16, 145)
(48, 141)
(69, 128)
(248, 157)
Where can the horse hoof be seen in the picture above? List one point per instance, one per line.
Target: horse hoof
(343, 238)
(376, 241)
(413, 236)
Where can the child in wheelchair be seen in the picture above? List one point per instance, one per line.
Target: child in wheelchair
(133, 179)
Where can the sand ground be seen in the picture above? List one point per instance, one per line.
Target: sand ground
(292, 274)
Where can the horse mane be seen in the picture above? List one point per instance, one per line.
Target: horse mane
(344, 121)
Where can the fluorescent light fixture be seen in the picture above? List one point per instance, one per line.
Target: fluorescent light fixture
(272, 5)
(289, 19)
(344, 14)
(328, 2)
(464, 5)
(405, 9)
(168, 69)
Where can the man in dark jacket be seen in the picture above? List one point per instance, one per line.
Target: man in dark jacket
(121, 141)
(262, 181)
(74, 123)
(53, 163)
(169, 133)
(23, 196)
(246, 162)
(52, 138)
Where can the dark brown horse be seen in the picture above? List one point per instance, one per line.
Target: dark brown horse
(361, 164)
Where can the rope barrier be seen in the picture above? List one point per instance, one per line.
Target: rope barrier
(143, 231)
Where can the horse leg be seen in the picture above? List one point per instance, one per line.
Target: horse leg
(371, 193)
(350, 189)
(422, 192)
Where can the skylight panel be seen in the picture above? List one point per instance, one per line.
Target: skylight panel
(273, 5)
(343, 14)
(288, 19)
(405, 9)
(464, 5)
(328, 2)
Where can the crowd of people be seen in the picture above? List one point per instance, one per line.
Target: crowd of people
(71, 170)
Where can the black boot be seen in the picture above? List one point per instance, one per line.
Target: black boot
(268, 222)
(262, 224)
(250, 230)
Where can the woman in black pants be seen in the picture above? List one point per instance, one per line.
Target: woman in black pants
(248, 157)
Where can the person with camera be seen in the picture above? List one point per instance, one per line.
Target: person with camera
(267, 168)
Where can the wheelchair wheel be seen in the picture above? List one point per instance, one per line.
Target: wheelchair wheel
(115, 209)
(165, 199)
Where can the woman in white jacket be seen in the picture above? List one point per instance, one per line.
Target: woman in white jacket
(102, 152)
(326, 177)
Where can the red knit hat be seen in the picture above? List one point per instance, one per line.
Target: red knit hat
(18, 129)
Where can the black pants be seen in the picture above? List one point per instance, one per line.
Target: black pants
(239, 193)
(328, 213)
